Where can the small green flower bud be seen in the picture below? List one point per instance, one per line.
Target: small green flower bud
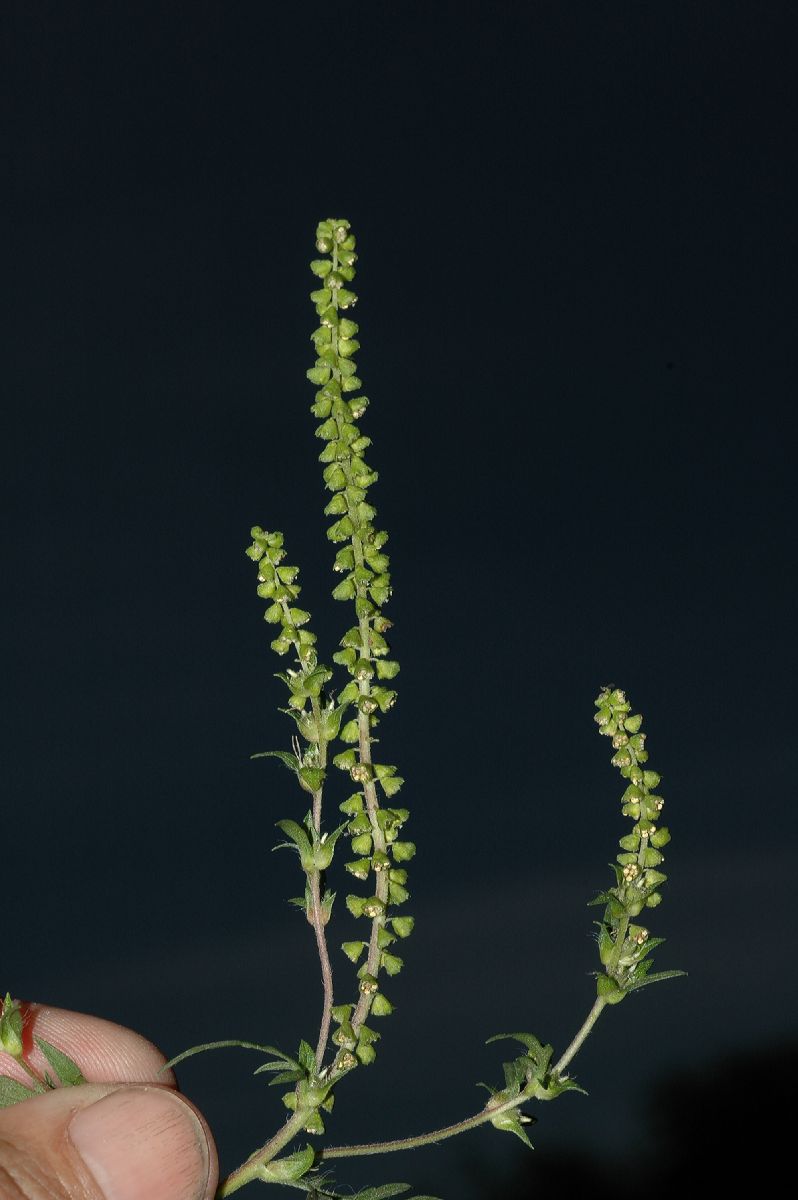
(620, 739)
(350, 732)
(356, 905)
(660, 837)
(381, 1006)
(380, 862)
(385, 698)
(345, 1061)
(402, 926)
(353, 950)
(397, 894)
(403, 851)
(621, 759)
(353, 805)
(653, 900)
(361, 844)
(359, 868)
(374, 907)
(349, 693)
(651, 779)
(630, 842)
(368, 985)
(345, 760)
(391, 963)
(345, 1036)
(366, 1054)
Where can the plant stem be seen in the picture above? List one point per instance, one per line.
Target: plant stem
(251, 1168)
(326, 969)
(589, 1022)
(316, 915)
(421, 1139)
(439, 1135)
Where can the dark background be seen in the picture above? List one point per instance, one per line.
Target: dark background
(578, 320)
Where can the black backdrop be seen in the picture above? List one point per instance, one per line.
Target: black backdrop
(576, 228)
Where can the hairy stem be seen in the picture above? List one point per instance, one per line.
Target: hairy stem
(574, 1047)
(314, 883)
(421, 1139)
(251, 1168)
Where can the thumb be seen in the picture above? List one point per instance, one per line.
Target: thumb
(106, 1142)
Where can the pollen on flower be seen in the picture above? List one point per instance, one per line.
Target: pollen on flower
(641, 936)
(630, 872)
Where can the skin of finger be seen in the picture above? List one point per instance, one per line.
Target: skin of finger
(40, 1155)
(104, 1051)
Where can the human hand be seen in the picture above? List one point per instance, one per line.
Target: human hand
(126, 1134)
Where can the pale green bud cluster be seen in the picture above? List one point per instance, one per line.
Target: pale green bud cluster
(624, 948)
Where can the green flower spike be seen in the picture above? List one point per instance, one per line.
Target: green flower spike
(366, 582)
(625, 948)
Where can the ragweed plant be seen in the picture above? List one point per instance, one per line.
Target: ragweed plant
(335, 710)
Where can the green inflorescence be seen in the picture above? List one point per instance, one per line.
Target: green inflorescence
(625, 947)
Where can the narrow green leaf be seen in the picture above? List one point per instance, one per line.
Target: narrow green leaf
(383, 1193)
(221, 1045)
(289, 760)
(13, 1092)
(655, 978)
(67, 1071)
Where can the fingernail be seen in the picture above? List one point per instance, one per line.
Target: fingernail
(143, 1144)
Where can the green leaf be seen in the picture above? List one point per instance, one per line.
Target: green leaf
(535, 1048)
(306, 1056)
(221, 1045)
(284, 1076)
(13, 1092)
(383, 1193)
(289, 760)
(67, 1071)
(297, 835)
(655, 978)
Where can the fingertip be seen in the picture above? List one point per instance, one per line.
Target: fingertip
(104, 1051)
